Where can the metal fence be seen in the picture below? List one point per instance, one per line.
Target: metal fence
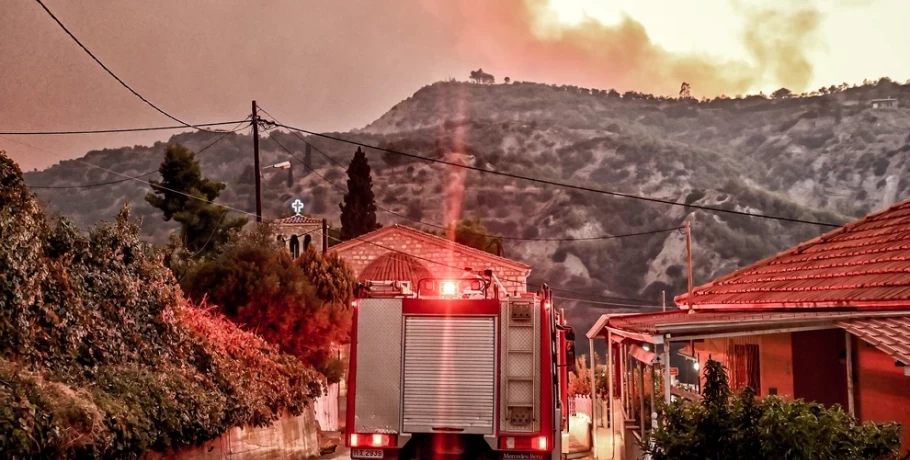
(581, 405)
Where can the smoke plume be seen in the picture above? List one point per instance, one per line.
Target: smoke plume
(518, 37)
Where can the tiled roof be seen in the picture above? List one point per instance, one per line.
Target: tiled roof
(681, 322)
(864, 264)
(437, 240)
(298, 220)
(891, 335)
(395, 266)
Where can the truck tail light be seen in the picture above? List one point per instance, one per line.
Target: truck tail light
(372, 440)
(540, 443)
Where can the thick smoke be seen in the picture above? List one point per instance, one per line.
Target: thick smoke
(518, 37)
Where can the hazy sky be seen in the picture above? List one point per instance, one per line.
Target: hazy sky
(337, 65)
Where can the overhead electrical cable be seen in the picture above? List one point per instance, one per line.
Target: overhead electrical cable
(117, 130)
(444, 227)
(101, 184)
(561, 184)
(111, 73)
(618, 304)
(194, 197)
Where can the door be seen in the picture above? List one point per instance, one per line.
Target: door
(820, 366)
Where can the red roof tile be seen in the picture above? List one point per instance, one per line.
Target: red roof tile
(864, 264)
(395, 266)
(891, 335)
(433, 239)
(298, 220)
(681, 322)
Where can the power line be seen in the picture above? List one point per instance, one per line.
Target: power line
(618, 303)
(101, 184)
(120, 130)
(561, 184)
(444, 227)
(111, 73)
(328, 236)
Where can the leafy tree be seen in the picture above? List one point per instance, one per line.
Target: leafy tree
(782, 93)
(301, 306)
(180, 194)
(470, 231)
(479, 76)
(727, 425)
(580, 380)
(507, 80)
(358, 211)
(685, 91)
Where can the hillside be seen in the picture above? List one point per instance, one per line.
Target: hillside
(823, 157)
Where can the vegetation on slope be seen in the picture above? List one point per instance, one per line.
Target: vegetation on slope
(827, 156)
(102, 358)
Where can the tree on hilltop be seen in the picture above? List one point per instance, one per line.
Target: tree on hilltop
(782, 93)
(479, 76)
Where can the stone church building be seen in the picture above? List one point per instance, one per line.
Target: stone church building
(399, 253)
(298, 233)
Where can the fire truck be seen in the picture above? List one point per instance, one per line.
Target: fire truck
(457, 368)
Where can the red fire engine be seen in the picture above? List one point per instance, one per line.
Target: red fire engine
(457, 369)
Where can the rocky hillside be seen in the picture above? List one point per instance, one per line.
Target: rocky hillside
(824, 157)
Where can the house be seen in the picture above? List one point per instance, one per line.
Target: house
(826, 321)
(398, 253)
(883, 103)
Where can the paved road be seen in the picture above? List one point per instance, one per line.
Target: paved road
(341, 453)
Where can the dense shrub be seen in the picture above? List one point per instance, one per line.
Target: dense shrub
(301, 306)
(100, 355)
(726, 425)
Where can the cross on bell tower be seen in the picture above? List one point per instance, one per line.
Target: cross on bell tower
(297, 206)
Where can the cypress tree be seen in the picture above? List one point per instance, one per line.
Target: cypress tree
(358, 211)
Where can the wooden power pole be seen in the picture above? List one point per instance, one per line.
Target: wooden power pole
(258, 171)
(689, 263)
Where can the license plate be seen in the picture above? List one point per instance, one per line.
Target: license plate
(366, 453)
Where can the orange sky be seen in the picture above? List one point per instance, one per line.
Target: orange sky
(340, 65)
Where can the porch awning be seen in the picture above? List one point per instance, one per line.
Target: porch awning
(890, 335)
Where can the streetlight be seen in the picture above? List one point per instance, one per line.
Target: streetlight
(282, 165)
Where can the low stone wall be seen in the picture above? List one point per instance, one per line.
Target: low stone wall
(289, 438)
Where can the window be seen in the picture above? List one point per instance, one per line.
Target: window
(745, 367)
(295, 247)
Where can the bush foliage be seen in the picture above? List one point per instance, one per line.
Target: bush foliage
(101, 357)
(735, 425)
(300, 305)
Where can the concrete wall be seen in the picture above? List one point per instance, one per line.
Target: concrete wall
(289, 438)
(882, 390)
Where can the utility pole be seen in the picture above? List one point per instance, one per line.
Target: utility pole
(256, 162)
(663, 299)
(689, 263)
